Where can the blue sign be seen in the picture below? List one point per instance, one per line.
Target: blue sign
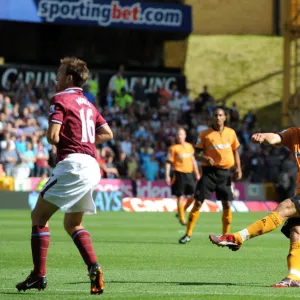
(104, 201)
(109, 201)
(105, 13)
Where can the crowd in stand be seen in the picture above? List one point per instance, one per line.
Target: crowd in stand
(144, 123)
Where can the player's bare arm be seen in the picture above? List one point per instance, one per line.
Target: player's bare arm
(196, 169)
(199, 155)
(53, 133)
(104, 134)
(238, 171)
(268, 138)
(168, 169)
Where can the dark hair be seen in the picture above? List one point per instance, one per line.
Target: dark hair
(220, 108)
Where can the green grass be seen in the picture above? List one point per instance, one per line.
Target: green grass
(227, 63)
(142, 259)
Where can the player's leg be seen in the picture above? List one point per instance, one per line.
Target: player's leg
(226, 217)
(287, 209)
(180, 209)
(291, 229)
(82, 239)
(205, 187)
(189, 202)
(40, 240)
(224, 193)
(177, 190)
(190, 186)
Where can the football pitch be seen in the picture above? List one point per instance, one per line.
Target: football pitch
(142, 259)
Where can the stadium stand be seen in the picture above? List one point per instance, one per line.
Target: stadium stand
(144, 122)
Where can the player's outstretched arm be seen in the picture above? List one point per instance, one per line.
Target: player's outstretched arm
(104, 134)
(268, 138)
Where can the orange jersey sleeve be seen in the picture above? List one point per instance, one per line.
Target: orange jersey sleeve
(171, 154)
(235, 142)
(291, 139)
(287, 137)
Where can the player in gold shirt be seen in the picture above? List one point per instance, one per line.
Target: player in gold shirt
(287, 211)
(217, 149)
(185, 171)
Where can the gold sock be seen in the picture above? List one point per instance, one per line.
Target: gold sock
(193, 217)
(180, 208)
(265, 225)
(188, 202)
(226, 220)
(293, 261)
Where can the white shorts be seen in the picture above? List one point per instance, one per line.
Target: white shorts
(72, 184)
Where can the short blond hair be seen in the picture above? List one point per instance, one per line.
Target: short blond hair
(77, 68)
(181, 128)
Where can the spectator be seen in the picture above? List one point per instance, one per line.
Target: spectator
(141, 133)
(93, 83)
(109, 99)
(88, 94)
(204, 100)
(186, 101)
(111, 171)
(123, 99)
(139, 93)
(273, 163)
(1, 101)
(126, 144)
(286, 183)
(102, 163)
(10, 159)
(257, 167)
(234, 115)
(21, 144)
(244, 135)
(3, 124)
(153, 97)
(122, 165)
(42, 157)
(104, 170)
(2, 172)
(132, 167)
(151, 168)
(8, 139)
(117, 82)
(29, 157)
(250, 119)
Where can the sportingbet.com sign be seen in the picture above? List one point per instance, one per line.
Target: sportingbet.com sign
(106, 13)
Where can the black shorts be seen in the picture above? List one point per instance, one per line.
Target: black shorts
(291, 222)
(214, 180)
(183, 184)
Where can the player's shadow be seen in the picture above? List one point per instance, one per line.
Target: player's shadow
(219, 283)
(17, 293)
(180, 283)
(139, 242)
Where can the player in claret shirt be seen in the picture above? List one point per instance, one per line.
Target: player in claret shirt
(75, 126)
